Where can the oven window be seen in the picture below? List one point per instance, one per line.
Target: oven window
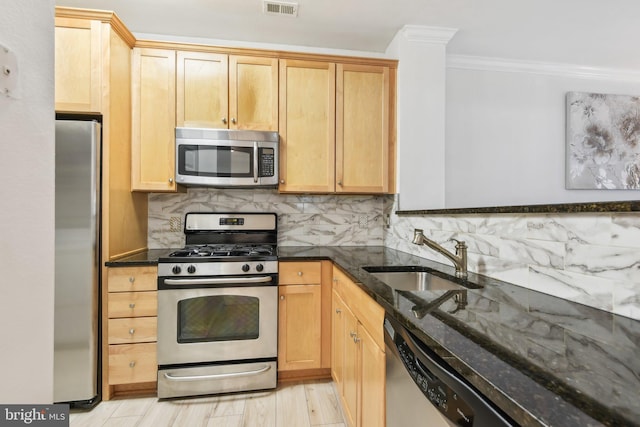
(215, 161)
(218, 318)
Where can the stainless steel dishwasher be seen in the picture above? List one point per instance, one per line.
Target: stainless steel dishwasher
(422, 390)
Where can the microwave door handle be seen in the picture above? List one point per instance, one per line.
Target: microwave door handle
(255, 161)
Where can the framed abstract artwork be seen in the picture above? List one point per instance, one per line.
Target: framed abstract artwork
(603, 141)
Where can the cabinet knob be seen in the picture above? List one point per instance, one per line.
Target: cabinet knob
(299, 273)
(224, 120)
(340, 183)
(282, 181)
(352, 334)
(132, 305)
(132, 364)
(170, 180)
(338, 311)
(132, 279)
(356, 339)
(233, 120)
(282, 297)
(132, 331)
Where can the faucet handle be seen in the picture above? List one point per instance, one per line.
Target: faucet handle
(459, 243)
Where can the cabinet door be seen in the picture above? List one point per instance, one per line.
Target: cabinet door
(154, 119)
(362, 129)
(77, 65)
(371, 381)
(351, 370)
(202, 98)
(299, 328)
(337, 340)
(253, 93)
(307, 126)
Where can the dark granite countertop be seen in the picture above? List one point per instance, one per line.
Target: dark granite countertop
(545, 361)
(149, 257)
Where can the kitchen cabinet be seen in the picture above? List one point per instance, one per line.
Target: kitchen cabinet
(358, 359)
(362, 129)
(227, 91)
(307, 126)
(78, 64)
(335, 127)
(304, 320)
(131, 331)
(153, 103)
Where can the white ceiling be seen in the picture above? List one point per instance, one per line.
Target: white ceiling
(602, 33)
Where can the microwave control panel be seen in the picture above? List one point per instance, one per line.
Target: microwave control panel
(267, 162)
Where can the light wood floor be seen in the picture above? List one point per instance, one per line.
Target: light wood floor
(295, 404)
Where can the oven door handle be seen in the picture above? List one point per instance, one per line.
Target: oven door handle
(220, 281)
(216, 376)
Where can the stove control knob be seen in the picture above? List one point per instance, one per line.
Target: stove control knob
(176, 269)
(259, 267)
(245, 268)
(191, 269)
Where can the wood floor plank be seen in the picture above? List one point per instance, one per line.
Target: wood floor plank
(136, 406)
(160, 414)
(260, 410)
(226, 421)
(194, 414)
(291, 405)
(122, 422)
(95, 417)
(322, 403)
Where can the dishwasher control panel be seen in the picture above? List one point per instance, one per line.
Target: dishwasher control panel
(448, 402)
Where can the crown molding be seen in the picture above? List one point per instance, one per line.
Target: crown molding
(479, 63)
(424, 34)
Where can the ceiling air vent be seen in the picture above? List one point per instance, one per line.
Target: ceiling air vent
(280, 8)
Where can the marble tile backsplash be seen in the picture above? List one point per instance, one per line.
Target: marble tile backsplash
(326, 220)
(593, 259)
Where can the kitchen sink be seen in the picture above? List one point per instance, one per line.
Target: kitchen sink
(412, 280)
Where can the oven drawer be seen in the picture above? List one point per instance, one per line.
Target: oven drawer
(131, 279)
(132, 363)
(133, 304)
(299, 273)
(131, 330)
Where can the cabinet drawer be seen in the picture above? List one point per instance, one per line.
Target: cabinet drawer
(131, 330)
(132, 363)
(130, 279)
(299, 273)
(133, 304)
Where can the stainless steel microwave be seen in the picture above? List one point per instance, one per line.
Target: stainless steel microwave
(226, 158)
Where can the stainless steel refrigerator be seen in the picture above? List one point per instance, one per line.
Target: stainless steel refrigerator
(77, 262)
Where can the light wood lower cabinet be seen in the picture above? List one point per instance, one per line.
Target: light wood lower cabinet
(303, 320)
(358, 358)
(130, 313)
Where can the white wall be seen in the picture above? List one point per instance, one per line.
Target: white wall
(505, 131)
(27, 213)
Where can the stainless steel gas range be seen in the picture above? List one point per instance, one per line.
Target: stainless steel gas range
(218, 306)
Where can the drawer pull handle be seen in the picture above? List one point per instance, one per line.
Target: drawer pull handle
(353, 334)
(132, 279)
(132, 331)
(132, 364)
(132, 305)
(171, 377)
(299, 273)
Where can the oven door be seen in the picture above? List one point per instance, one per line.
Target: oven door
(217, 324)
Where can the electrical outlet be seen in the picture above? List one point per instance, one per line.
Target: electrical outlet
(175, 224)
(363, 221)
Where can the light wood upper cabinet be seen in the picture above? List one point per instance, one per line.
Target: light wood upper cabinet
(227, 91)
(253, 93)
(78, 65)
(307, 126)
(362, 129)
(202, 90)
(154, 119)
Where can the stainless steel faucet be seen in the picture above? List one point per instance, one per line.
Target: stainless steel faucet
(459, 259)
